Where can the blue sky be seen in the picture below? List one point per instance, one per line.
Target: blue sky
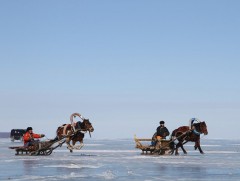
(125, 65)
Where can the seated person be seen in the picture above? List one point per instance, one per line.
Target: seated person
(154, 139)
(29, 136)
(162, 131)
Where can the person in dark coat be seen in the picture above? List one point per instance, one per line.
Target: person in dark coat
(162, 131)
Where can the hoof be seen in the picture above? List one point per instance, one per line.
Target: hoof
(70, 148)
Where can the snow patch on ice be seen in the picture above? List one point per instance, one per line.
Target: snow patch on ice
(73, 166)
(108, 175)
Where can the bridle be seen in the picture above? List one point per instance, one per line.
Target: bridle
(86, 127)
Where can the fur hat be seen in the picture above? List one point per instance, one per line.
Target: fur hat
(161, 122)
(29, 128)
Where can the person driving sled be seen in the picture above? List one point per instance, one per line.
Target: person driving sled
(29, 136)
(162, 131)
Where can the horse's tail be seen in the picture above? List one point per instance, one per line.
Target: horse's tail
(173, 135)
(57, 133)
(56, 137)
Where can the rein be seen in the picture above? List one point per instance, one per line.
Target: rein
(176, 138)
(87, 130)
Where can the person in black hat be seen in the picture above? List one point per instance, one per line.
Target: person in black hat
(29, 137)
(162, 131)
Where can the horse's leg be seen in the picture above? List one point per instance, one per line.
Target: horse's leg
(172, 147)
(183, 149)
(200, 149)
(197, 145)
(73, 144)
(80, 146)
(69, 146)
(177, 146)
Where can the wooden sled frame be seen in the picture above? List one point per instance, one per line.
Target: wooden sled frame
(41, 151)
(161, 147)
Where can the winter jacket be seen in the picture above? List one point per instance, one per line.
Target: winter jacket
(162, 131)
(29, 137)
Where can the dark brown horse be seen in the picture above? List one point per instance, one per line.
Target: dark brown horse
(184, 134)
(75, 131)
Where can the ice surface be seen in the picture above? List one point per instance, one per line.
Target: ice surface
(119, 160)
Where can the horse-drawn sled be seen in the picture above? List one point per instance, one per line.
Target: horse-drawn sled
(69, 133)
(178, 138)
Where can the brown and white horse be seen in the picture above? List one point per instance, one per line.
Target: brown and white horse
(75, 131)
(185, 134)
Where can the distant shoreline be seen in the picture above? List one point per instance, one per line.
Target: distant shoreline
(4, 134)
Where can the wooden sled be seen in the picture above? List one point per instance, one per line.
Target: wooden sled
(161, 147)
(43, 148)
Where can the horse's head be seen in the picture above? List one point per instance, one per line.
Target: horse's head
(203, 128)
(84, 126)
(87, 126)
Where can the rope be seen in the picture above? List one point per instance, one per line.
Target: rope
(45, 148)
(47, 138)
(176, 138)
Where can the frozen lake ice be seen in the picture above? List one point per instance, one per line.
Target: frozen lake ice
(119, 160)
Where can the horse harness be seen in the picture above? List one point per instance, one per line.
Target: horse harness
(66, 133)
